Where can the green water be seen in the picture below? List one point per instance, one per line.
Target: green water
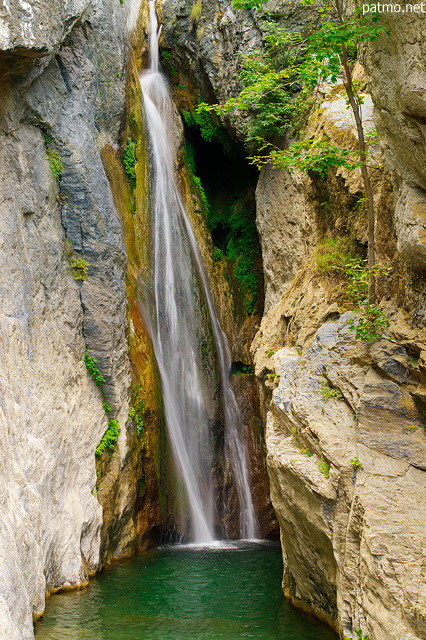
(181, 593)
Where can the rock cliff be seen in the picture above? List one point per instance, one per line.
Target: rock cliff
(70, 110)
(345, 420)
(63, 75)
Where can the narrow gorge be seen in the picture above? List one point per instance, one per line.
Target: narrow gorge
(193, 366)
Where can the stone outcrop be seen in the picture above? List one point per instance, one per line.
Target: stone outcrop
(345, 422)
(346, 458)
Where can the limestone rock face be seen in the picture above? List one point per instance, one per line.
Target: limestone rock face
(397, 80)
(288, 209)
(347, 482)
(284, 221)
(61, 67)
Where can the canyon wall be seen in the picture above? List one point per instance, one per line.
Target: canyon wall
(64, 71)
(345, 418)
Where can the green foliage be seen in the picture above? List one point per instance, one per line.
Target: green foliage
(190, 156)
(239, 246)
(330, 392)
(306, 451)
(357, 273)
(168, 64)
(273, 377)
(196, 182)
(355, 462)
(137, 414)
(209, 131)
(324, 46)
(106, 407)
(247, 369)
(324, 467)
(201, 192)
(270, 352)
(109, 438)
(332, 256)
(368, 320)
(79, 268)
(270, 94)
(359, 635)
(92, 368)
(217, 254)
(248, 4)
(129, 161)
(277, 85)
(413, 362)
(55, 163)
(244, 369)
(316, 154)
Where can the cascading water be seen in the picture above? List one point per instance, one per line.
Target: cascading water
(174, 326)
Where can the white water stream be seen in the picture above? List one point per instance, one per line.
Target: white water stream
(180, 284)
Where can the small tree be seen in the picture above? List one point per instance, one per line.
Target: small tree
(328, 57)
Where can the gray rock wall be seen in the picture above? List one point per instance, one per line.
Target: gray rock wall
(395, 65)
(63, 72)
(351, 533)
(351, 541)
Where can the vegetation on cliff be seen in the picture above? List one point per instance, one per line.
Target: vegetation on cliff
(229, 218)
(278, 85)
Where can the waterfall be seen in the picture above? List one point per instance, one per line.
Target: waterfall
(179, 286)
